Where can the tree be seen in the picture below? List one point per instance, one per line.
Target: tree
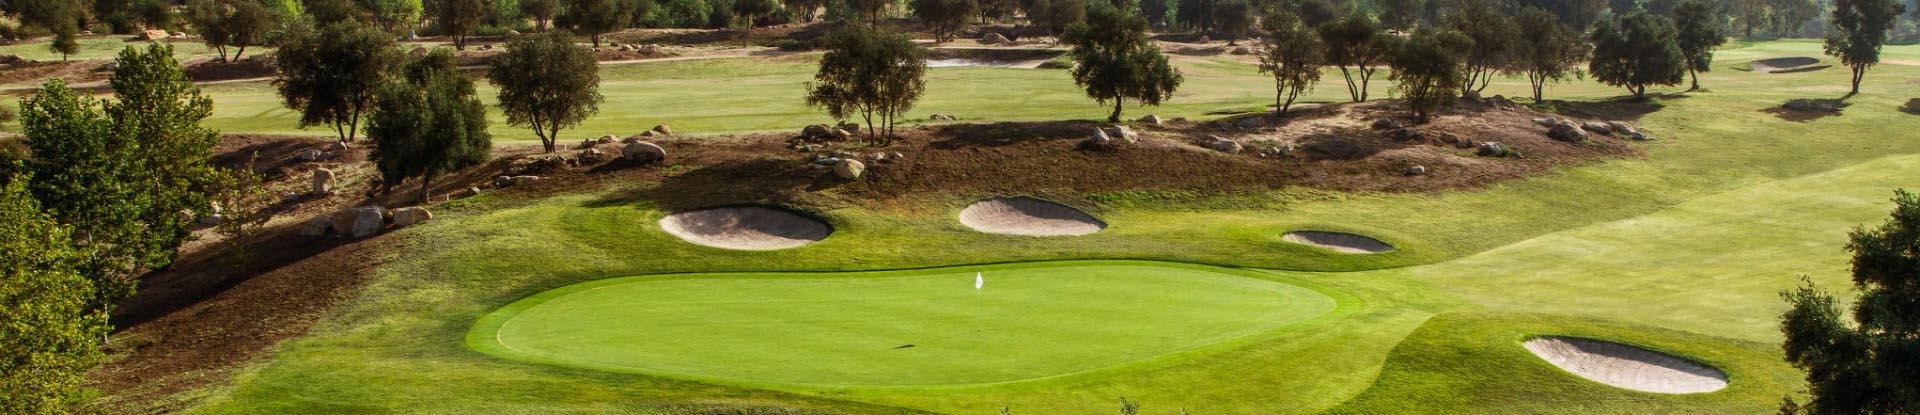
(1428, 70)
(1234, 18)
(330, 74)
(546, 83)
(946, 17)
(1292, 54)
(48, 331)
(1552, 50)
(65, 42)
(396, 16)
(428, 125)
(751, 10)
(1868, 366)
(1788, 16)
(1399, 14)
(869, 10)
(458, 18)
(1314, 13)
(1057, 15)
(121, 173)
(542, 11)
(1358, 48)
(1860, 27)
(597, 17)
(1699, 33)
(1195, 15)
(1636, 51)
(1155, 12)
(1115, 61)
(874, 75)
(1577, 13)
(237, 23)
(809, 10)
(1493, 37)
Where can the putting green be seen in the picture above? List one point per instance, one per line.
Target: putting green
(896, 328)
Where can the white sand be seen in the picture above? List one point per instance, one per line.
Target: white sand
(1789, 64)
(1345, 243)
(1628, 367)
(746, 228)
(1027, 216)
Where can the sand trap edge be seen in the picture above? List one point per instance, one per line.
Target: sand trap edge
(1627, 366)
(1029, 216)
(1342, 242)
(746, 227)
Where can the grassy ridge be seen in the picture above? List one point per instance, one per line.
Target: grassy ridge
(1688, 245)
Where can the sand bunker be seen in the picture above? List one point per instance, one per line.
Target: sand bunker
(1788, 65)
(1628, 367)
(1339, 242)
(746, 227)
(960, 63)
(1028, 217)
(990, 57)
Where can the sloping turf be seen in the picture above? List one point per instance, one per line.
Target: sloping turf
(903, 328)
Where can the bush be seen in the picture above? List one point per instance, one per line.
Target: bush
(8, 115)
(794, 45)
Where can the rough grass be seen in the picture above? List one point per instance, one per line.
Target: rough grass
(104, 47)
(1683, 250)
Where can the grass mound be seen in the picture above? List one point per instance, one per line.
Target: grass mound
(899, 328)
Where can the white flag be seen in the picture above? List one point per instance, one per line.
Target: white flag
(979, 281)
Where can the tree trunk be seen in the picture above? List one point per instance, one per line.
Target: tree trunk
(1696, 79)
(1859, 73)
(1116, 111)
(426, 189)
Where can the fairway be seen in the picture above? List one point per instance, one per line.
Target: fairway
(907, 328)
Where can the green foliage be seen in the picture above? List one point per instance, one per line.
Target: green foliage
(1292, 54)
(681, 13)
(122, 175)
(1115, 61)
(237, 23)
(1057, 15)
(49, 15)
(1576, 13)
(330, 74)
(1636, 51)
(542, 11)
(1551, 53)
(49, 335)
(1698, 27)
(1399, 14)
(1428, 70)
(596, 17)
(65, 42)
(869, 9)
(1494, 39)
(877, 76)
(1868, 366)
(459, 18)
(1860, 27)
(547, 83)
(751, 10)
(396, 16)
(430, 124)
(1358, 47)
(1234, 18)
(946, 17)
(1195, 15)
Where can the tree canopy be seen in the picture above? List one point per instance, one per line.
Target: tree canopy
(1699, 32)
(1358, 47)
(1637, 51)
(1115, 61)
(1292, 54)
(546, 83)
(1428, 70)
(1860, 28)
(597, 17)
(1494, 39)
(946, 17)
(873, 75)
(428, 124)
(1552, 53)
(1866, 365)
(458, 18)
(330, 73)
(235, 23)
(49, 333)
(542, 11)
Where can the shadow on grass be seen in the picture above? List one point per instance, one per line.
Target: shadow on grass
(1912, 107)
(1807, 109)
(1616, 109)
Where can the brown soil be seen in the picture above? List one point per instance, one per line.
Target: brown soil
(32, 72)
(193, 324)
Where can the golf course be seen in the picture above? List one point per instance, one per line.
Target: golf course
(709, 241)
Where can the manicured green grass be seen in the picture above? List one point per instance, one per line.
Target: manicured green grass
(1683, 250)
(902, 328)
(103, 47)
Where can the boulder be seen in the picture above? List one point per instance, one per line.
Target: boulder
(1150, 119)
(1386, 124)
(608, 139)
(1409, 135)
(1243, 50)
(409, 216)
(1621, 128)
(360, 222)
(1546, 122)
(662, 129)
(1100, 136)
(179, 34)
(1203, 39)
(817, 132)
(312, 155)
(470, 192)
(337, 147)
(992, 38)
(1639, 136)
(849, 169)
(941, 117)
(488, 46)
(1126, 135)
(1449, 138)
(1252, 122)
(1597, 127)
(643, 152)
(1492, 149)
(625, 48)
(1565, 131)
(591, 156)
(1222, 145)
(153, 35)
(322, 182)
(1416, 170)
(851, 127)
(318, 226)
(511, 32)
